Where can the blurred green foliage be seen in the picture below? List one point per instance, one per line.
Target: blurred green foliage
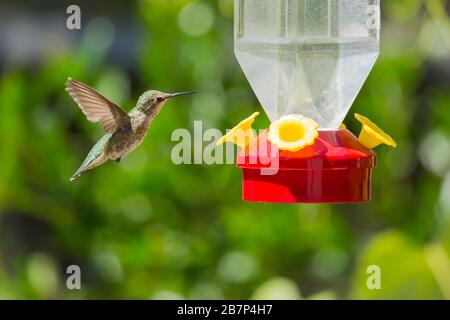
(149, 229)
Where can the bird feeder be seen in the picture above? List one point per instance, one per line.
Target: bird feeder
(306, 61)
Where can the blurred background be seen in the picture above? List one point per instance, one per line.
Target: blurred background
(149, 229)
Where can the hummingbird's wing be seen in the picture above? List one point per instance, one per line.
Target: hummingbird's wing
(96, 107)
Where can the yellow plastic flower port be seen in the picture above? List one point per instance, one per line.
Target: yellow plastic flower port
(241, 134)
(293, 132)
(371, 135)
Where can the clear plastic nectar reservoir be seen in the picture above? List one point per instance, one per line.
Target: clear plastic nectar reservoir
(307, 57)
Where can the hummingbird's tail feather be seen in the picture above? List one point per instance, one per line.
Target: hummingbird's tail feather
(76, 175)
(89, 164)
(96, 157)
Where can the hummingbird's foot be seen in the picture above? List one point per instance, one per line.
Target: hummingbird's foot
(118, 160)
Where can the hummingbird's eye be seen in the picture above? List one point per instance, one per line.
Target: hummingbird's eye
(159, 99)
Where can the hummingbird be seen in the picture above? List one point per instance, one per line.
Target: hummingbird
(124, 132)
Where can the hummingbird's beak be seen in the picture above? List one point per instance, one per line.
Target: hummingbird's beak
(171, 95)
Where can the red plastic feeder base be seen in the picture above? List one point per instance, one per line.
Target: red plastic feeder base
(336, 169)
